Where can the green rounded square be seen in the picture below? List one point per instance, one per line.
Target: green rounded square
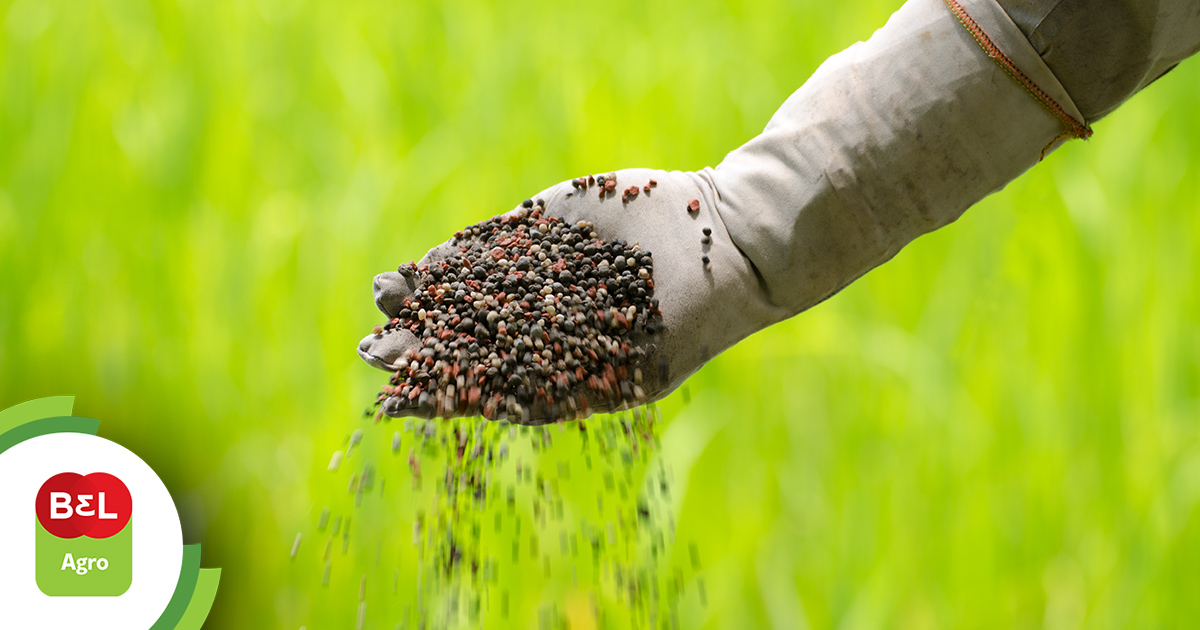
(56, 579)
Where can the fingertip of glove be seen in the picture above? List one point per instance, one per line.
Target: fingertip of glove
(383, 351)
(390, 289)
(441, 252)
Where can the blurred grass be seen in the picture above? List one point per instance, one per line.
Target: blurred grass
(998, 429)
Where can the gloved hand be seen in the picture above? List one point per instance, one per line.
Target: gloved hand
(890, 139)
(706, 306)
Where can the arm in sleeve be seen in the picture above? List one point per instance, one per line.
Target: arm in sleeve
(1105, 51)
(897, 136)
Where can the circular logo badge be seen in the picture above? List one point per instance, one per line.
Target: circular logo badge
(89, 531)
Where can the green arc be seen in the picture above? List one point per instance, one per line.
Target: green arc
(194, 594)
(197, 588)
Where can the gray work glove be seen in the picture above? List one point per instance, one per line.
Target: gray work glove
(706, 307)
(888, 140)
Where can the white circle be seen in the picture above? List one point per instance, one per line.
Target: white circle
(157, 536)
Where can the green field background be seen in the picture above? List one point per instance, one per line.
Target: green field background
(998, 429)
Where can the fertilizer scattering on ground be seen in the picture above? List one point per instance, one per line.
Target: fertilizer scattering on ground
(483, 517)
(529, 319)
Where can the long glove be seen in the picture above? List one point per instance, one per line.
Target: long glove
(888, 140)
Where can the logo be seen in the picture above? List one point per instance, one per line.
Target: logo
(103, 546)
(84, 537)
